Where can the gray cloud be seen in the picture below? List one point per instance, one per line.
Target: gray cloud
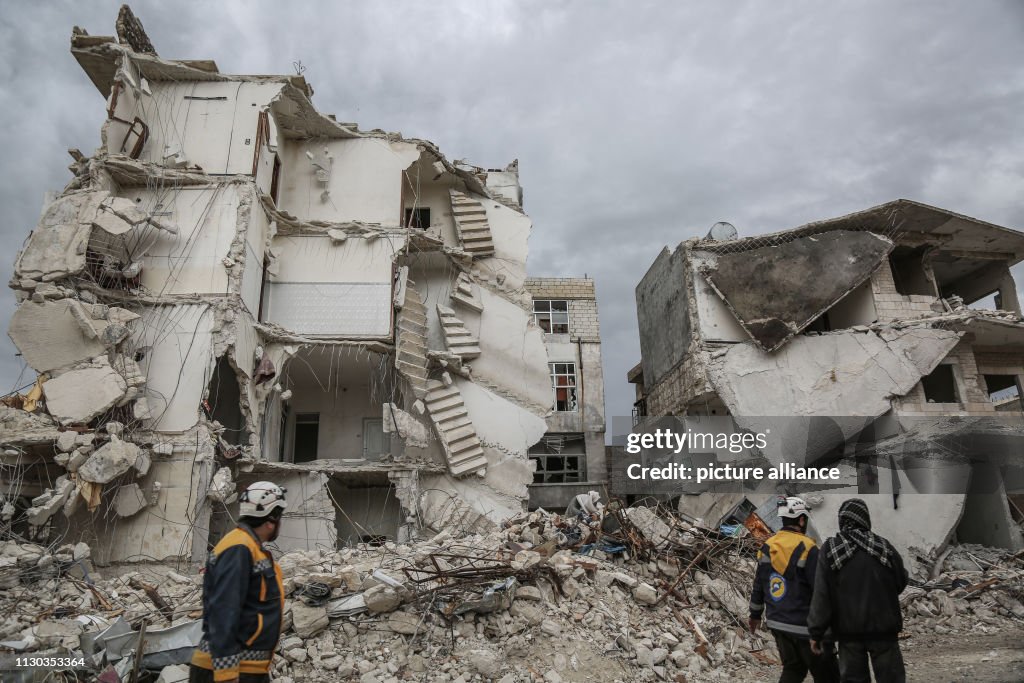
(637, 125)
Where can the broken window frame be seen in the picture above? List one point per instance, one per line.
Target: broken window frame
(932, 377)
(417, 217)
(549, 318)
(563, 386)
(1010, 382)
(554, 464)
(910, 274)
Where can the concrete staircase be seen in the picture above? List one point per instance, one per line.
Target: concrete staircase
(411, 360)
(467, 293)
(462, 447)
(457, 338)
(471, 225)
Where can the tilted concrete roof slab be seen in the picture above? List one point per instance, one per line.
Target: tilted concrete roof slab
(776, 291)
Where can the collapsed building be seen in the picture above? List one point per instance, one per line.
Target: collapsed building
(901, 322)
(236, 286)
(570, 459)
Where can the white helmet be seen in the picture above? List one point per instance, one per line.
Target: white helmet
(792, 507)
(260, 499)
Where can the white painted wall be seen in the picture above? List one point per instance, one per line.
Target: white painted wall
(339, 385)
(316, 258)
(159, 532)
(365, 184)
(308, 523)
(510, 233)
(422, 192)
(178, 364)
(329, 288)
(217, 135)
(192, 260)
(856, 308)
(255, 248)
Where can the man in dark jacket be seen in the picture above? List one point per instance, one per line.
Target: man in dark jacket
(243, 595)
(783, 583)
(856, 595)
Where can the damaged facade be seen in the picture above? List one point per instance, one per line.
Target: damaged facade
(571, 456)
(237, 287)
(895, 319)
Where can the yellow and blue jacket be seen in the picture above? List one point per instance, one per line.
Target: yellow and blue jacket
(784, 581)
(243, 601)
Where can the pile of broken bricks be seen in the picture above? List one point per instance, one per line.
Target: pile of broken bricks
(546, 598)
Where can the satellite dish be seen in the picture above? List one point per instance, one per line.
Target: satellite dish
(722, 232)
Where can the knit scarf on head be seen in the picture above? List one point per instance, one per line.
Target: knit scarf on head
(855, 534)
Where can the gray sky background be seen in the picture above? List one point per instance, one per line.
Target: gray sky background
(637, 125)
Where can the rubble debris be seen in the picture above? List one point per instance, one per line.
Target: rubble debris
(129, 500)
(222, 487)
(86, 392)
(460, 604)
(112, 460)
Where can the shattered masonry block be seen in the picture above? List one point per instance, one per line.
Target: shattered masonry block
(129, 500)
(222, 487)
(80, 395)
(110, 461)
(56, 248)
(66, 441)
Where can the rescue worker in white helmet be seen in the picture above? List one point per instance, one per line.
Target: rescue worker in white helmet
(783, 586)
(243, 594)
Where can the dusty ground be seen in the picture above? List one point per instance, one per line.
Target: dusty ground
(995, 658)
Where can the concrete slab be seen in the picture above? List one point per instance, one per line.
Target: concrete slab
(82, 394)
(774, 291)
(57, 246)
(50, 336)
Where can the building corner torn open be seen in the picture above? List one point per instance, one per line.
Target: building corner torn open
(899, 323)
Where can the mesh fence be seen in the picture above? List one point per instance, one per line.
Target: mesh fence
(887, 220)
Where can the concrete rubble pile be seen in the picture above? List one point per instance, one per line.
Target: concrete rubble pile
(978, 590)
(545, 598)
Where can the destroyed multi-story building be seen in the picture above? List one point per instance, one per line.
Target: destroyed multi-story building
(903, 318)
(571, 457)
(236, 286)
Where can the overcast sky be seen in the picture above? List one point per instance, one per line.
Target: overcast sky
(636, 125)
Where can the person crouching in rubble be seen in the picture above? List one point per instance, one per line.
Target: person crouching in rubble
(587, 504)
(243, 595)
(856, 595)
(783, 585)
